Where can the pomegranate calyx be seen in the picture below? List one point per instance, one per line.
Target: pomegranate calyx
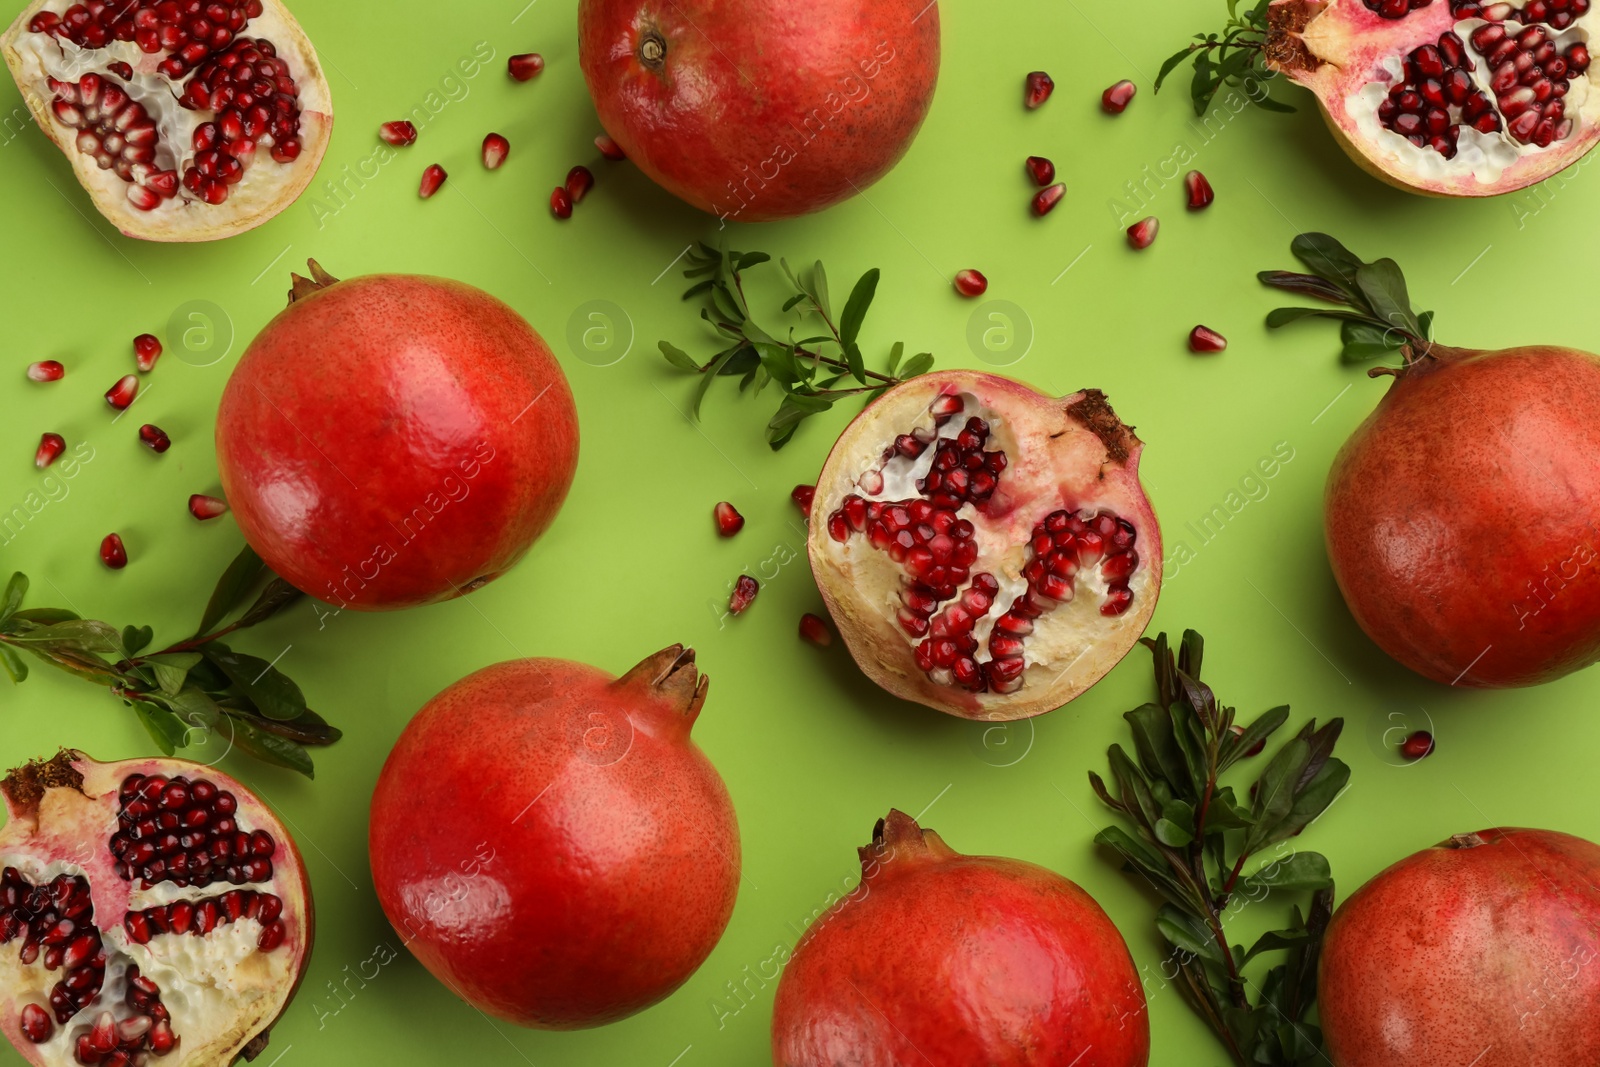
(897, 838)
(304, 287)
(670, 675)
(1094, 413)
(1284, 49)
(1475, 840)
(25, 785)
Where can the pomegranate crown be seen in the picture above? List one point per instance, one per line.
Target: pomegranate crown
(897, 838)
(671, 676)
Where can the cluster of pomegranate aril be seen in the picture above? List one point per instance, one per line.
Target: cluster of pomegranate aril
(118, 132)
(1529, 77)
(1437, 97)
(190, 30)
(131, 1040)
(1557, 13)
(255, 101)
(174, 830)
(199, 917)
(56, 924)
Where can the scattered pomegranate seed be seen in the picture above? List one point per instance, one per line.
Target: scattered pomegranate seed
(1040, 86)
(580, 180)
(1041, 170)
(1205, 340)
(525, 67)
(971, 283)
(1142, 234)
(1047, 199)
(609, 148)
(802, 495)
(154, 438)
(51, 445)
(112, 552)
(400, 134)
(432, 178)
(119, 396)
(121, 69)
(744, 592)
(146, 350)
(729, 521)
(205, 507)
(813, 629)
(1417, 746)
(1253, 750)
(1200, 194)
(560, 203)
(495, 150)
(1114, 101)
(46, 370)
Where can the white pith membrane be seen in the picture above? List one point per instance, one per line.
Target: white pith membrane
(172, 998)
(1025, 652)
(1483, 130)
(156, 198)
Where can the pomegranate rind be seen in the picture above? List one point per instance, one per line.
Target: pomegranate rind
(51, 813)
(1059, 459)
(269, 187)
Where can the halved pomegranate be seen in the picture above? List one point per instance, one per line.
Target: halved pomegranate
(149, 910)
(1446, 97)
(185, 120)
(984, 549)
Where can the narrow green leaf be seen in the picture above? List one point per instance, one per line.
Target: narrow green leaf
(165, 728)
(276, 597)
(270, 748)
(16, 589)
(1187, 932)
(1275, 791)
(269, 689)
(1274, 941)
(895, 353)
(79, 635)
(1284, 316)
(1328, 259)
(1305, 285)
(1155, 745)
(1264, 727)
(678, 357)
(819, 290)
(45, 616)
(920, 363)
(707, 378)
(1267, 102)
(13, 664)
(746, 260)
(235, 584)
(788, 305)
(1364, 353)
(855, 309)
(197, 710)
(1302, 870)
(1385, 289)
(1171, 65)
(172, 669)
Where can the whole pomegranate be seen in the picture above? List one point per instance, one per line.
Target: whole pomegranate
(551, 843)
(150, 911)
(1445, 97)
(1480, 950)
(395, 440)
(986, 550)
(758, 109)
(944, 960)
(185, 122)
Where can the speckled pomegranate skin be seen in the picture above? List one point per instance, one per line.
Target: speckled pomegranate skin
(1483, 954)
(944, 960)
(395, 440)
(552, 845)
(1460, 517)
(761, 109)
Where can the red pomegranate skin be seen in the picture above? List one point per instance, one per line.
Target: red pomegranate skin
(761, 109)
(552, 844)
(944, 960)
(395, 440)
(1481, 950)
(1460, 517)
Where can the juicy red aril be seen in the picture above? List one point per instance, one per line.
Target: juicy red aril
(526, 66)
(609, 148)
(1039, 87)
(202, 844)
(744, 591)
(182, 27)
(55, 922)
(1417, 746)
(560, 203)
(814, 630)
(200, 916)
(51, 445)
(802, 495)
(1047, 199)
(256, 103)
(400, 134)
(1198, 189)
(1142, 234)
(729, 521)
(971, 283)
(146, 350)
(580, 180)
(432, 178)
(1205, 340)
(46, 370)
(1040, 169)
(36, 1023)
(119, 396)
(154, 438)
(117, 132)
(495, 150)
(205, 507)
(113, 553)
(1528, 76)
(1114, 101)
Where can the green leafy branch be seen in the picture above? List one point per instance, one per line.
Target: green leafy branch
(1201, 848)
(1237, 56)
(1374, 308)
(813, 372)
(188, 690)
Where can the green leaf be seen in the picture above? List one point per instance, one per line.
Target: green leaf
(13, 664)
(855, 309)
(1425, 320)
(1268, 103)
(678, 357)
(1385, 289)
(1264, 727)
(1276, 940)
(79, 635)
(1142, 859)
(788, 305)
(235, 584)
(1284, 316)
(45, 616)
(16, 589)
(1328, 259)
(1305, 285)
(1275, 791)
(1172, 64)
(746, 260)
(172, 669)
(309, 729)
(796, 408)
(197, 710)
(1175, 828)
(819, 290)
(1155, 745)
(708, 377)
(895, 353)
(1187, 932)
(920, 363)
(1302, 870)
(277, 596)
(270, 748)
(135, 639)
(269, 689)
(162, 725)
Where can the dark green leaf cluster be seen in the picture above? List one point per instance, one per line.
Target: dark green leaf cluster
(812, 372)
(1203, 849)
(1236, 56)
(189, 690)
(1373, 306)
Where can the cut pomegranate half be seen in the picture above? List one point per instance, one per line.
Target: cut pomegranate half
(150, 911)
(1446, 97)
(185, 121)
(985, 549)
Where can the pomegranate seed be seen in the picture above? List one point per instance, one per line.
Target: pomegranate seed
(1417, 746)
(1047, 199)
(205, 507)
(432, 178)
(146, 350)
(560, 203)
(1114, 101)
(46, 370)
(1041, 170)
(802, 495)
(1205, 340)
(399, 134)
(579, 181)
(1039, 86)
(813, 629)
(729, 521)
(609, 148)
(525, 67)
(36, 1024)
(119, 396)
(971, 283)
(1142, 234)
(495, 150)
(51, 445)
(1200, 194)
(154, 438)
(744, 592)
(112, 552)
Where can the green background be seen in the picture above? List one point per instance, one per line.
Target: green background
(811, 751)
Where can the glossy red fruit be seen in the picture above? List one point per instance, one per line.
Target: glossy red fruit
(1040, 169)
(146, 350)
(526, 66)
(113, 553)
(1476, 951)
(1203, 340)
(1115, 100)
(1198, 190)
(744, 594)
(745, 112)
(580, 180)
(945, 960)
(729, 521)
(1047, 199)
(495, 150)
(1037, 89)
(400, 134)
(51, 445)
(1142, 234)
(395, 440)
(119, 396)
(560, 203)
(971, 283)
(205, 507)
(591, 872)
(433, 176)
(46, 370)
